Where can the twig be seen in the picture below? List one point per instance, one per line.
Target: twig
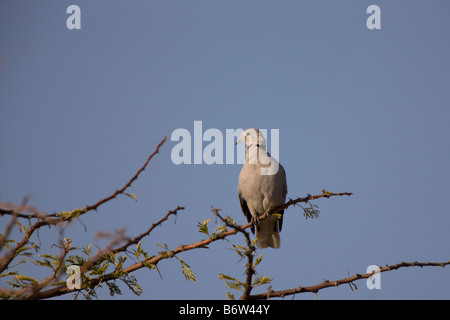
(17, 211)
(126, 185)
(335, 283)
(249, 270)
(325, 194)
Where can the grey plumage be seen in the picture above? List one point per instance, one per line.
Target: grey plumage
(260, 192)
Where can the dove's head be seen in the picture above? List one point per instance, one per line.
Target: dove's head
(252, 137)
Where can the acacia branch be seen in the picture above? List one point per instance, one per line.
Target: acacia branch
(100, 256)
(249, 269)
(324, 194)
(56, 218)
(154, 260)
(18, 211)
(126, 185)
(97, 259)
(138, 238)
(349, 280)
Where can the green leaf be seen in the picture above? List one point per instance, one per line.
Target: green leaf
(240, 250)
(71, 214)
(138, 252)
(87, 250)
(185, 269)
(231, 282)
(113, 288)
(21, 281)
(9, 273)
(132, 284)
(226, 277)
(164, 254)
(131, 195)
(230, 296)
(220, 229)
(257, 281)
(257, 260)
(45, 263)
(234, 285)
(202, 227)
(7, 241)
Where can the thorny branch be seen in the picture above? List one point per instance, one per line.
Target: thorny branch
(326, 283)
(19, 211)
(56, 218)
(98, 258)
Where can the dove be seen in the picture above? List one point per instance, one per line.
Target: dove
(260, 190)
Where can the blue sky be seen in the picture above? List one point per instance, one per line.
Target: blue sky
(358, 110)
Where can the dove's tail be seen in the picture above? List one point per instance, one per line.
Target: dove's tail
(267, 234)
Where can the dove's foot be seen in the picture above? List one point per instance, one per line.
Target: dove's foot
(255, 220)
